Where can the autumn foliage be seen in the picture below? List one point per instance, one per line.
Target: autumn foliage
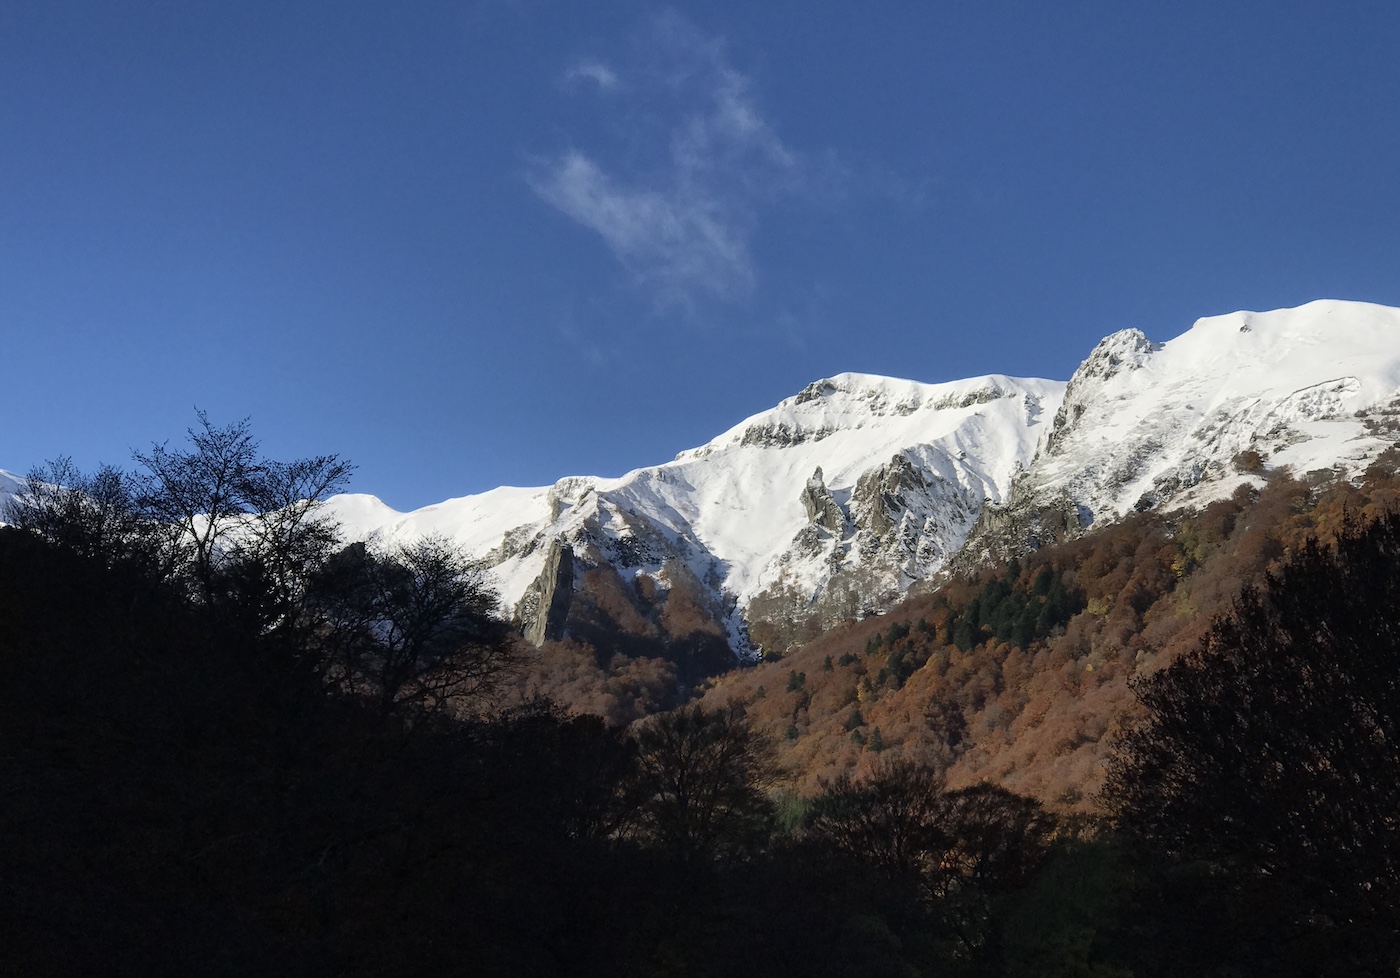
(1021, 674)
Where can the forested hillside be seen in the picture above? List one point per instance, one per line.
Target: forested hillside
(1021, 674)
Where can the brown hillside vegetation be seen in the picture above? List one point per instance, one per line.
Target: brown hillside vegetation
(617, 687)
(1021, 675)
(633, 648)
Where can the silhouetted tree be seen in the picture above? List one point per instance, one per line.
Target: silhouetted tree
(95, 516)
(411, 626)
(573, 772)
(959, 849)
(992, 842)
(250, 528)
(705, 773)
(993, 838)
(1271, 757)
(890, 818)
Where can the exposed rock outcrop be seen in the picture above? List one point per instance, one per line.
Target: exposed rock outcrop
(821, 506)
(1120, 352)
(552, 594)
(908, 470)
(883, 495)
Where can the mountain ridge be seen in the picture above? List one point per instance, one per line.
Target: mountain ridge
(836, 501)
(1182, 423)
(737, 513)
(841, 497)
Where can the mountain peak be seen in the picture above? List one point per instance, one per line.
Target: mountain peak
(1145, 425)
(1127, 349)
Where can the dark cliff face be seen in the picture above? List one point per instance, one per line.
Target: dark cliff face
(554, 591)
(668, 616)
(629, 594)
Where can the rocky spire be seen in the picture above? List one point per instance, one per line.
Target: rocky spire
(554, 590)
(821, 508)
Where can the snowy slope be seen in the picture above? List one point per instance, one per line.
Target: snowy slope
(1181, 423)
(732, 511)
(844, 494)
(10, 484)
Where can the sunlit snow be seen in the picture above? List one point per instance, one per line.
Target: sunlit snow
(1140, 425)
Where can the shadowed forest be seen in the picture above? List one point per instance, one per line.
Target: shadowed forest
(234, 744)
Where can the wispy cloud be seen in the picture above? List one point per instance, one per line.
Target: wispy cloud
(593, 71)
(681, 226)
(679, 238)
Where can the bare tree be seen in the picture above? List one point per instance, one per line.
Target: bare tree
(994, 839)
(413, 626)
(246, 527)
(960, 848)
(892, 818)
(902, 819)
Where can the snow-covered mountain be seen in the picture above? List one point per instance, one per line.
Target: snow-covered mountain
(834, 502)
(837, 499)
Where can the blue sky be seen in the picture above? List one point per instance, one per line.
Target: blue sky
(481, 243)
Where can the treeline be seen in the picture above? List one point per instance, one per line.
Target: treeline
(233, 745)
